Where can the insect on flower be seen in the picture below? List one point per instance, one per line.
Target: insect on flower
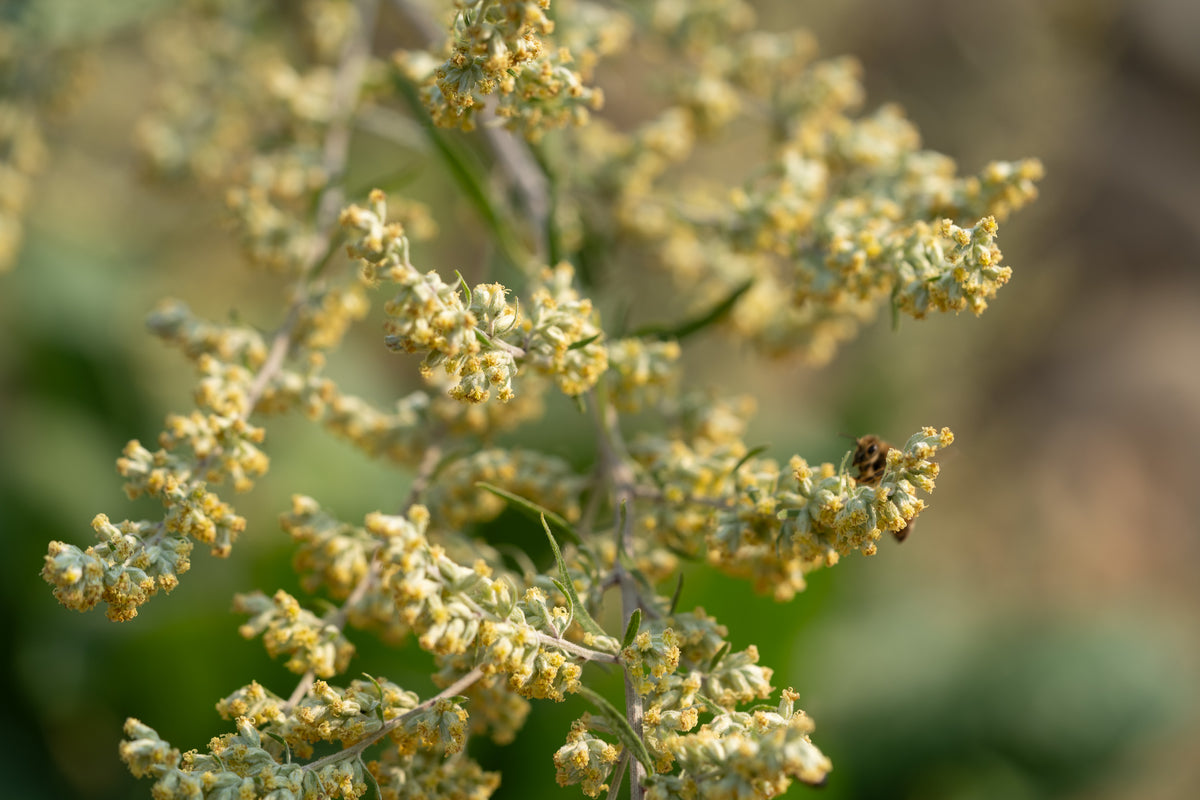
(870, 456)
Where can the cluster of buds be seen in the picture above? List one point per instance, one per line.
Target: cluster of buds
(843, 214)
(256, 760)
(429, 316)
(454, 610)
(311, 643)
(679, 677)
(563, 337)
(137, 558)
(781, 527)
(819, 225)
(505, 50)
(585, 759)
(642, 373)
(743, 756)
(948, 268)
(480, 339)
(650, 659)
(496, 710)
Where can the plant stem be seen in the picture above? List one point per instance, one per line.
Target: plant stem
(614, 460)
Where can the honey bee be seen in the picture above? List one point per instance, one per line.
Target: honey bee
(870, 456)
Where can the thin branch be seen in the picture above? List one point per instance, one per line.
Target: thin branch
(546, 640)
(425, 469)
(335, 152)
(524, 175)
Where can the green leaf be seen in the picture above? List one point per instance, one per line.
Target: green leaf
(370, 777)
(700, 321)
(753, 452)
(466, 289)
(378, 688)
(621, 727)
(631, 630)
(533, 510)
(675, 597)
(280, 740)
(582, 343)
(567, 593)
(567, 587)
(719, 656)
(513, 594)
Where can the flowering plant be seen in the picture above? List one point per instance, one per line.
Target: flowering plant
(836, 216)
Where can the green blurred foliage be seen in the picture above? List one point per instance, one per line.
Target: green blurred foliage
(1035, 638)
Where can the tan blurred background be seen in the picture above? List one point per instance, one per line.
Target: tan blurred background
(1038, 634)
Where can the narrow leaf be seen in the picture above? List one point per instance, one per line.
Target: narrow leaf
(568, 587)
(371, 777)
(720, 655)
(675, 596)
(533, 510)
(582, 343)
(700, 321)
(562, 587)
(466, 289)
(631, 630)
(753, 452)
(621, 727)
(276, 737)
(378, 688)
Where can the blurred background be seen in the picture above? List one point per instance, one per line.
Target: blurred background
(1036, 637)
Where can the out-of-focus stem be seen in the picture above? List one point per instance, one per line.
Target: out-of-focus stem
(615, 463)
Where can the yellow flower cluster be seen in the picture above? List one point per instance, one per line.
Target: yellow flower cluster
(821, 222)
(585, 759)
(256, 760)
(454, 609)
(782, 527)
(504, 48)
(744, 756)
(424, 774)
(838, 215)
(481, 339)
(136, 559)
(642, 373)
(651, 659)
(287, 629)
(563, 338)
(496, 710)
